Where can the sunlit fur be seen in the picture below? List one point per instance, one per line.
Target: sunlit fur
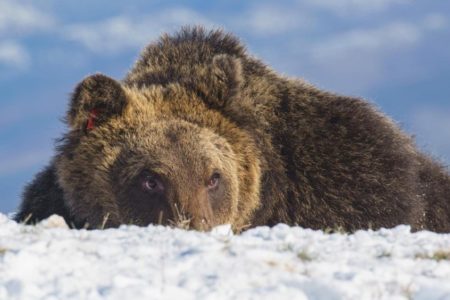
(196, 103)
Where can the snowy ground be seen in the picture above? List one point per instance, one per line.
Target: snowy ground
(49, 261)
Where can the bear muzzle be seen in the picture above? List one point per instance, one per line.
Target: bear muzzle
(195, 211)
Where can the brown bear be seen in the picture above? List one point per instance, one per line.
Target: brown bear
(199, 131)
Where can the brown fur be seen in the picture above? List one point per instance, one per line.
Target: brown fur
(196, 104)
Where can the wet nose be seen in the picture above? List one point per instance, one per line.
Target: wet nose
(198, 210)
(201, 224)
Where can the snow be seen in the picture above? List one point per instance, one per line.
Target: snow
(50, 261)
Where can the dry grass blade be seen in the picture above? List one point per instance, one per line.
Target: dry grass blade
(25, 221)
(181, 219)
(437, 255)
(105, 219)
(160, 217)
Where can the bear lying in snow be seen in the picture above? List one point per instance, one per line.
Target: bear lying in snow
(203, 133)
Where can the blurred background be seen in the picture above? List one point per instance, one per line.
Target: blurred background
(395, 53)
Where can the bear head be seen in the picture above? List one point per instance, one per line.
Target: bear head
(159, 154)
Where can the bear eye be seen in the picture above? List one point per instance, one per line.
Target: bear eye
(151, 183)
(213, 181)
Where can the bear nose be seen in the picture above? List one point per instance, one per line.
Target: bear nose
(202, 224)
(197, 209)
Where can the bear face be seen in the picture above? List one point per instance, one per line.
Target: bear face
(159, 156)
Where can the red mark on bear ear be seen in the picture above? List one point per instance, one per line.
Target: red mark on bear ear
(93, 115)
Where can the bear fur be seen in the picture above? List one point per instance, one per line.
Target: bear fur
(202, 132)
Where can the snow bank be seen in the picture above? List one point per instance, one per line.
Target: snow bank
(49, 261)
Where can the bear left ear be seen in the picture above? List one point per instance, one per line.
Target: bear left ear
(96, 99)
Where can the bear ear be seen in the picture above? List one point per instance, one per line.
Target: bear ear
(222, 80)
(96, 99)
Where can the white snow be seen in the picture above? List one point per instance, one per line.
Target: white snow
(50, 261)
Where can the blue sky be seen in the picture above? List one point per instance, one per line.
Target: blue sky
(395, 53)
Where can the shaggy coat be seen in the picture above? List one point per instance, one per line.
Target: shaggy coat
(201, 132)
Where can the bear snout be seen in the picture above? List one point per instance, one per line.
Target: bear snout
(195, 211)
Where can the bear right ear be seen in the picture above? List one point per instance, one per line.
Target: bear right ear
(96, 99)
